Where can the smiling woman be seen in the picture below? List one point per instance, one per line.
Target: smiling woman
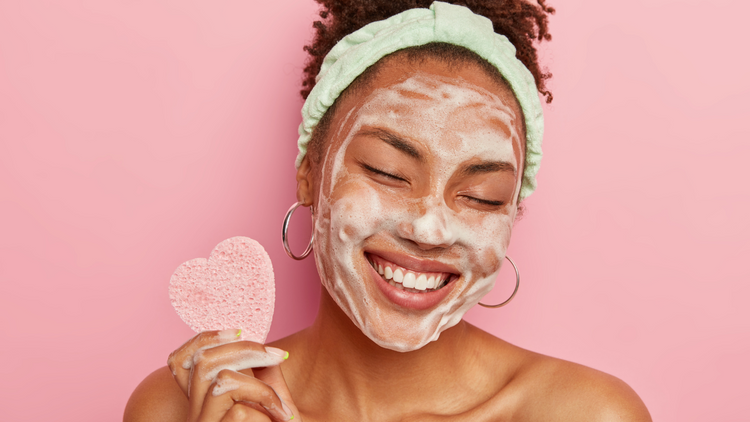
(416, 168)
(421, 177)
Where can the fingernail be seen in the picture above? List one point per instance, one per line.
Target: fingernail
(230, 335)
(285, 414)
(278, 352)
(287, 410)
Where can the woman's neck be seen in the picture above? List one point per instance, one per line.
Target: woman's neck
(335, 356)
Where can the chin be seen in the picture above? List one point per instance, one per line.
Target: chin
(397, 342)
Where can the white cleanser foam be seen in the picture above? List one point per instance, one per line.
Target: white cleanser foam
(226, 385)
(239, 360)
(456, 122)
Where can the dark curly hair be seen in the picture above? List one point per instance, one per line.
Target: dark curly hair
(522, 22)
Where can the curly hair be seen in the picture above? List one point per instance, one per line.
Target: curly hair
(521, 22)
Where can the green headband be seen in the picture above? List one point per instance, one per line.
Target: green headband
(442, 22)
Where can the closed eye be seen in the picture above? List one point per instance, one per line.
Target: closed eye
(484, 201)
(382, 173)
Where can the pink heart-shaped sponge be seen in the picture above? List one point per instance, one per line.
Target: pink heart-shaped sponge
(233, 288)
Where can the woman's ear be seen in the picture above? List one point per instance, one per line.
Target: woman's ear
(305, 183)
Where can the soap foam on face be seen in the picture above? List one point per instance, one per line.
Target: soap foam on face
(450, 117)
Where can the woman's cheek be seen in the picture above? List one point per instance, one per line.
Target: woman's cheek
(491, 263)
(490, 246)
(356, 212)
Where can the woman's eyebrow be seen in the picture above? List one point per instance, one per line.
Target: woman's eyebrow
(395, 141)
(488, 167)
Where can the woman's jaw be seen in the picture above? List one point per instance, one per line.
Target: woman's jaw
(402, 244)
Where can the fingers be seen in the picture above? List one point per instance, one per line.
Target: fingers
(180, 361)
(273, 376)
(235, 356)
(231, 390)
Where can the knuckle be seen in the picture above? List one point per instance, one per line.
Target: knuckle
(243, 413)
(225, 374)
(172, 356)
(238, 413)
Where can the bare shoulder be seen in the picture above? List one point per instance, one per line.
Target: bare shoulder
(565, 391)
(542, 388)
(157, 398)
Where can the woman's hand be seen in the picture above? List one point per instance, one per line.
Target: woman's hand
(207, 370)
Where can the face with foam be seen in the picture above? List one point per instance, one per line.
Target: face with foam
(415, 198)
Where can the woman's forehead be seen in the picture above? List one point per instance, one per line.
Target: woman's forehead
(436, 109)
(433, 73)
(439, 101)
(447, 91)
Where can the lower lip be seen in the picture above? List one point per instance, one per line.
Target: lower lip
(416, 301)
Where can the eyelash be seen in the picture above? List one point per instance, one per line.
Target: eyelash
(382, 173)
(485, 201)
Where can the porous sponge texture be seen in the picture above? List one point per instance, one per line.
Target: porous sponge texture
(233, 288)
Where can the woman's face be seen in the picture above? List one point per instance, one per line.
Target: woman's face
(415, 198)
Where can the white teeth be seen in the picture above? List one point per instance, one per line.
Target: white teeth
(421, 282)
(398, 275)
(410, 280)
(404, 279)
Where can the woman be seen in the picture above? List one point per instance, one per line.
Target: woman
(419, 140)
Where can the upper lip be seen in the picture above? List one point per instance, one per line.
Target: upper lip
(415, 264)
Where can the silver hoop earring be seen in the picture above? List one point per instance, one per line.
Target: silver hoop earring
(285, 227)
(518, 281)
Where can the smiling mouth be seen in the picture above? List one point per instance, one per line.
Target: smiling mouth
(409, 280)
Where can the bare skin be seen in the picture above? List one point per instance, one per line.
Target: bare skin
(335, 372)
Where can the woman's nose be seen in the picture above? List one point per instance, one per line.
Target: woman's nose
(431, 228)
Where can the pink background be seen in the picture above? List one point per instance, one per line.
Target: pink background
(137, 135)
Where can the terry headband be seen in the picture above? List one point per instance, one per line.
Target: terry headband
(442, 22)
